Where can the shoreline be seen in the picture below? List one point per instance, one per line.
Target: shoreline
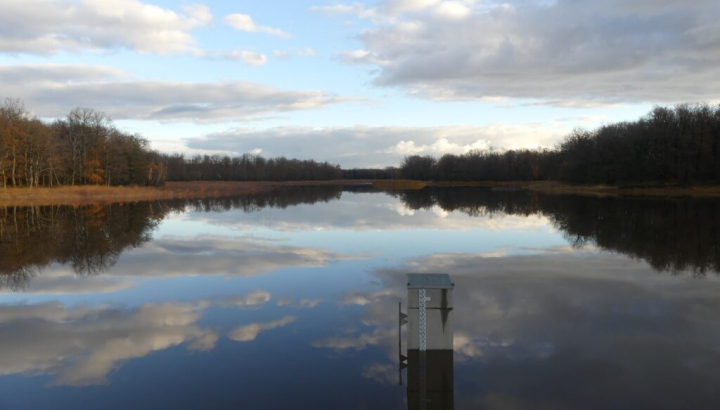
(103, 195)
(560, 188)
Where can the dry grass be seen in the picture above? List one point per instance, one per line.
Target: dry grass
(552, 187)
(87, 195)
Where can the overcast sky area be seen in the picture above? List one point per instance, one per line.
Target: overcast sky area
(362, 84)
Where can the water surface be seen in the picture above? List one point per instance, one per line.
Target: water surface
(289, 300)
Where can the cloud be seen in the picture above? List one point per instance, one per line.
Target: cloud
(250, 332)
(306, 303)
(523, 323)
(379, 336)
(251, 300)
(361, 146)
(48, 26)
(214, 255)
(298, 52)
(285, 301)
(81, 345)
(377, 212)
(381, 373)
(245, 23)
(58, 280)
(281, 54)
(306, 52)
(169, 257)
(564, 53)
(248, 57)
(52, 90)
(366, 298)
(357, 10)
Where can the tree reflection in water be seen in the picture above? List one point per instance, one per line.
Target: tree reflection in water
(90, 239)
(672, 235)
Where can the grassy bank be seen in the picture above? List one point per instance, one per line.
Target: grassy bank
(552, 187)
(87, 195)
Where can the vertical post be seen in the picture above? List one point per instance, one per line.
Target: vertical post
(422, 312)
(400, 355)
(430, 342)
(422, 328)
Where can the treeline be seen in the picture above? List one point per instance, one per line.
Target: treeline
(84, 148)
(680, 144)
(248, 168)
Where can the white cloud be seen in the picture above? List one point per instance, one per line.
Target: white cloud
(251, 300)
(356, 9)
(244, 22)
(215, 255)
(379, 336)
(81, 345)
(380, 146)
(48, 26)
(52, 90)
(564, 53)
(281, 54)
(361, 57)
(306, 52)
(439, 147)
(187, 256)
(248, 57)
(250, 332)
(309, 303)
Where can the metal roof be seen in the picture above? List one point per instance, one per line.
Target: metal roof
(429, 281)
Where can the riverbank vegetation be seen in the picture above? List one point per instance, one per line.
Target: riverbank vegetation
(669, 145)
(88, 195)
(677, 146)
(85, 148)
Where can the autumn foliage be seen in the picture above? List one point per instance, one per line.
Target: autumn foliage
(82, 149)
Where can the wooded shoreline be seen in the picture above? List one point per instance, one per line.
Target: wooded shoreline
(102, 195)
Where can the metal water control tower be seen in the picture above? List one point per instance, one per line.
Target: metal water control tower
(430, 311)
(430, 341)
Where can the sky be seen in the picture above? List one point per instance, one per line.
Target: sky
(360, 84)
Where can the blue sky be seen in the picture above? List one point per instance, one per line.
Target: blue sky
(357, 83)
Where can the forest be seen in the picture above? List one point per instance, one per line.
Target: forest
(679, 144)
(247, 168)
(82, 149)
(85, 148)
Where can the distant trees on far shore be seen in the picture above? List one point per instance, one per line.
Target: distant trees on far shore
(248, 168)
(680, 144)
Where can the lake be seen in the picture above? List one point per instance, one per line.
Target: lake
(289, 299)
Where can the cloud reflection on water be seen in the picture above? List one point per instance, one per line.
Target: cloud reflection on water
(562, 329)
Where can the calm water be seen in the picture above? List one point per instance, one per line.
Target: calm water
(289, 300)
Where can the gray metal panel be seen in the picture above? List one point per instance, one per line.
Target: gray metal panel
(439, 332)
(438, 299)
(429, 281)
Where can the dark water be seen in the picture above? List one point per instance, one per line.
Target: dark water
(289, 300)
